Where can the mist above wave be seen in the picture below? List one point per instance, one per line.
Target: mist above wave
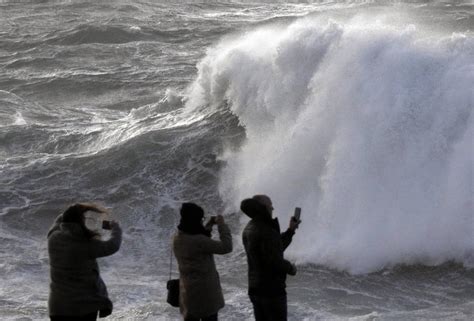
(367, 127)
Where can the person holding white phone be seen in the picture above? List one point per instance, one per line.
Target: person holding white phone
(77, 292)
(267, 267)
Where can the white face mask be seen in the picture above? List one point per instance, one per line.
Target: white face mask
(93, 220)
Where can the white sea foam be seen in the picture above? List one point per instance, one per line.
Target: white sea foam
(19, 120)
(367, 127)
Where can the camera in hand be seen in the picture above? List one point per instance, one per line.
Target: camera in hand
(106, 225)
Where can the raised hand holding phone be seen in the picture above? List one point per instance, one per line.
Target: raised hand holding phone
(295, 219)
(98, 220)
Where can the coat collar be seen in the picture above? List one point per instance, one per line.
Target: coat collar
(271, 222)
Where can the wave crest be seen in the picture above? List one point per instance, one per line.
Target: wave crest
(110, 34)
(368, 128)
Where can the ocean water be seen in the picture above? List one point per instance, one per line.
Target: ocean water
(360, 112)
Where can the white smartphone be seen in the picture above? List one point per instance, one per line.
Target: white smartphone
(297, 214)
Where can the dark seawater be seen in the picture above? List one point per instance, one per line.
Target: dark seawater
(359, 112)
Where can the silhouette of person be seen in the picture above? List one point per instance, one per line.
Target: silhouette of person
(77, 291)
(267, 268)
(200, 289)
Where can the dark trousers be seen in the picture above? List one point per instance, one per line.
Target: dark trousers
(269, 308)
(87, 317)
(209, 318)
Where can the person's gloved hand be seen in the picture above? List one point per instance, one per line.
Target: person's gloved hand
(220, 220)
(294, 224)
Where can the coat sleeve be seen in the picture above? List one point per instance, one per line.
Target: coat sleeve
(98, 248)
(286, 238)
(223, 246)
(272, 254)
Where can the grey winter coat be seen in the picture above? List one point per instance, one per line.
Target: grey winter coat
(76, 286)
(200, 288)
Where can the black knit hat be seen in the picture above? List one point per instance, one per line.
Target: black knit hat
(191, 219)
(192, 212)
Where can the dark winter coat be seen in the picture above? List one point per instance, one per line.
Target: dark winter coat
(264, 246)
(200, 288)
(76, 286)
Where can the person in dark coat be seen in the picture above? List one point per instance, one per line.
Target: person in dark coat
(200, 289)
(77, 291)
(267, 268)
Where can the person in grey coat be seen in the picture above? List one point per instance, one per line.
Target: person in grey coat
(77, 291)
(200, 289)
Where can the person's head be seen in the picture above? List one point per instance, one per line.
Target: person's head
(192, 213)
(265, 201)
(75, 214)
(192, 216)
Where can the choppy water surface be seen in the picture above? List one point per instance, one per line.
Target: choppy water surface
(359, 112)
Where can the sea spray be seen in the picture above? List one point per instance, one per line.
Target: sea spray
(367, 127)
(102, 102)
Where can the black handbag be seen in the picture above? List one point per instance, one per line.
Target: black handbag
(173, 292)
